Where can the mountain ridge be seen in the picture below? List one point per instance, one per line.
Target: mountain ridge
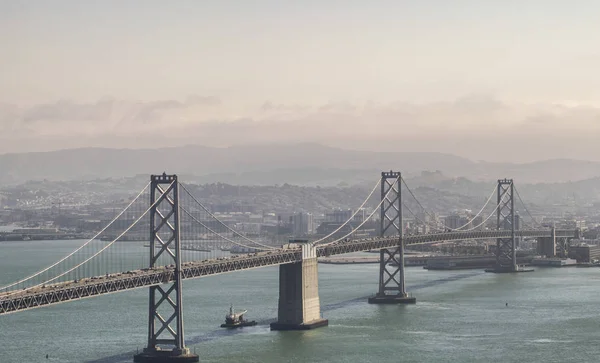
(248, 162)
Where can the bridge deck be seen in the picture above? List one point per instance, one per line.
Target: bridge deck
(94, 286)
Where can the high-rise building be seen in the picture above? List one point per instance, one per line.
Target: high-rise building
(478, 222)
(453, 221)
(465, 223)
(339, 216)
(302, 224)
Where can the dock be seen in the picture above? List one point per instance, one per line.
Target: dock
(348, 260)
(358, 260)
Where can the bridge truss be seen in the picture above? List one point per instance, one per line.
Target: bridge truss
(506, 249)
(165, 303)
(187, 240)
(391, 261)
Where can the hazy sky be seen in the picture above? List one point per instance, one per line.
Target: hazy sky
(299, 51)
(305, 53)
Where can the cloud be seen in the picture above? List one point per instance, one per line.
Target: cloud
(203, 101)
(478, 126)
(107, 114)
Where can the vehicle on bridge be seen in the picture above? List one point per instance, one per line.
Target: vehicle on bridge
(236, 320)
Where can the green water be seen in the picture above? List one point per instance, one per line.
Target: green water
(553, 315)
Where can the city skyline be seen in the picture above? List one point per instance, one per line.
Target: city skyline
(297, 162)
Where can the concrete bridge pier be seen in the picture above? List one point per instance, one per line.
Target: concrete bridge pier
(554, 246)
(299, 305)
(546, 246)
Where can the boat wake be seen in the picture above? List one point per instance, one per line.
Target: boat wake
(221, 333)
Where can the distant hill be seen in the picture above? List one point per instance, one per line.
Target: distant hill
(306, 164)
(434, 191)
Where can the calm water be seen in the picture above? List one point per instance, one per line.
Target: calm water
(460, 316)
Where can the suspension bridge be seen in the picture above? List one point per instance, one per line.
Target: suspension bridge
(184, 239)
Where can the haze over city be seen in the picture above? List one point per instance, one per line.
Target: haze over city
(393, 180)
(460, 77)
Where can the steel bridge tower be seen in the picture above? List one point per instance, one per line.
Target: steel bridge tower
(165, 304)
(392, 289)
(506, 248)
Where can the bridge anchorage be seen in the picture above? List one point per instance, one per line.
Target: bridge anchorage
(165, 234)
(557, 245)
(299, 306)
(392, 289)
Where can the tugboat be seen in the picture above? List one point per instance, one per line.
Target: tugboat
(236, 320)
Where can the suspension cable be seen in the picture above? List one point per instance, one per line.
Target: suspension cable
(225, 238)
(158, 200)
(353, 215)
(433, 217)
(223, 224)
(80, 247)
(534, 222)
(435, 227)
(455, 230)
(357, 227)
(366, 219)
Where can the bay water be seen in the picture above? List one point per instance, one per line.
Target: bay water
(553, 315)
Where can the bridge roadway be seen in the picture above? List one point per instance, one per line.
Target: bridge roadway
(100, 285)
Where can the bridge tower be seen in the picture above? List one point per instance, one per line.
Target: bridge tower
(506, 248)
(392, 289)
(165, 304)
